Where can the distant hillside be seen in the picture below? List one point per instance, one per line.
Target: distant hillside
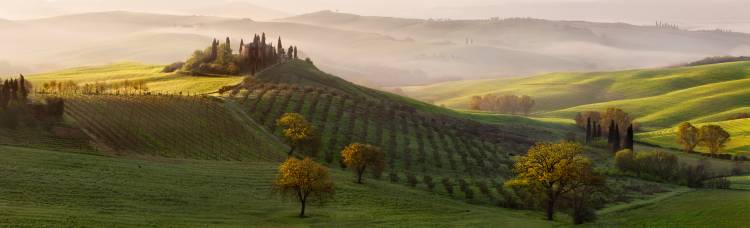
(238, 9)
(369, 50)
(651, 94)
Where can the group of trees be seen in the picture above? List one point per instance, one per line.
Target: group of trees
(17, 108)
(556, 173)
(307, 181)
(510, 104)
(612, 122)
(711, 136)
(69, 86)
(252, 57)
(14, 91)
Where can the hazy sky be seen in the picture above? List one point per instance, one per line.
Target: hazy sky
(727, 14)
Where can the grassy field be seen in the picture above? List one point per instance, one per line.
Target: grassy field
(738, 129)
(698, 208)
(46, 188)
(151, 74)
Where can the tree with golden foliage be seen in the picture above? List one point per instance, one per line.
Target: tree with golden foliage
(305, 181)
(687, 136)
(551, 170)
(359, 157)
(299, 133)
(714, 137)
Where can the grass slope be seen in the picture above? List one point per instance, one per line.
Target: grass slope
(657, 87)
(46, 188)
(738, 129)
(699, 208)
(151, 74)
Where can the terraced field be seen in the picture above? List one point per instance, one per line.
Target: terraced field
(738, 129)
(156, 81)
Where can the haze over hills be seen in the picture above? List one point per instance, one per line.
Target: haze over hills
(375, 51)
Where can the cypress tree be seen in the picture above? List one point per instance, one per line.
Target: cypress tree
(588, 130)
(280, 48)
(23, 91)
(242, 45)
(629, 139)
(295, 52)
(611, 136)
(616, 139)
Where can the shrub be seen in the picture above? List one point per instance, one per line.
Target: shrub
(694, 176)
(172, 67)
(469, 193)
(625, 161)
(428, 181)
(448, 185)
(483, 188)
(509, 200)
(394, 177)
(660, 164)
(720, 183)
(411, 180)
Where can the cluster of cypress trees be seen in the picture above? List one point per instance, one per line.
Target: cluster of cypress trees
(255, 56)
(13, 91)
(614, 139)
(259, 54)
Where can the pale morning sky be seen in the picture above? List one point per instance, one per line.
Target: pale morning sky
(726, 14)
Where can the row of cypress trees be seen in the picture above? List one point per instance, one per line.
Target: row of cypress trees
(13, 91)
(615, 141)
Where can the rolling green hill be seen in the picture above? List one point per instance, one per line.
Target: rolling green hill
(567, 90)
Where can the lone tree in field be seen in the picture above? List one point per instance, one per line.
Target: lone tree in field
(299, 133)
(305, 181)
(360, 157)
(713, 137)
(551, 170)
(687, 136)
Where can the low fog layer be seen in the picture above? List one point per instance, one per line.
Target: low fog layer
(376, 51)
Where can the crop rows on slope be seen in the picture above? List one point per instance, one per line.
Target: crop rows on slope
(36, 138)
(169, 126)
(414, 144)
